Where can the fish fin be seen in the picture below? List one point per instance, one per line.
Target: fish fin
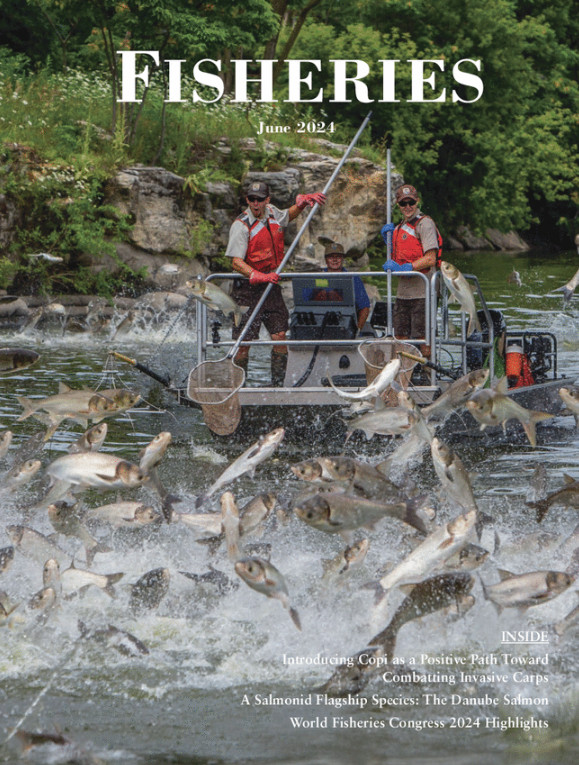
(28, 407)
(379, 404)
(379, 591)
(295, 618)
(497, 542)
(504, 574)
(200, 500)
(502, 386)
(63, 387)
(106, 478)
(568, 478)
(90, 552)
(111, 580)
(406, 588)
(213, 543)
(447, 542)
(413, 516)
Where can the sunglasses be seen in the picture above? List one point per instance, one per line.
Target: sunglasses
(407, 203)
(255, 199)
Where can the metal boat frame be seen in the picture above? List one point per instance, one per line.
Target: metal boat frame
(438, 336)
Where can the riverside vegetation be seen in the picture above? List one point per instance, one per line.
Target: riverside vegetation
(507, 161)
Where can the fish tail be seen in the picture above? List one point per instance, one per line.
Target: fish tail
(542, 508)
(28, 407)
(295, 618)
(529, 427)
(112, 579)
(414, 515)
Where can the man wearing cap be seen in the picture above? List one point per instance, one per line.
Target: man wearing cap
(334, 255)
(257, 248)
(416, 246)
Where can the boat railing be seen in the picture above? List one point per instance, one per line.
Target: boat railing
(441, 323)
(437, 333)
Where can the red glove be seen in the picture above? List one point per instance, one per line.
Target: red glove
(303, 200)
(257, 277)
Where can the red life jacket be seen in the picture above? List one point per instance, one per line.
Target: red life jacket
(406, 246)
(265, 247)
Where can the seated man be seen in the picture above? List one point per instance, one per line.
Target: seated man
(334, 255)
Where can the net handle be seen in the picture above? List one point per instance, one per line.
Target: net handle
(233, 350)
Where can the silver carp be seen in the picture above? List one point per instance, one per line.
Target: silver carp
(247, 462)
(526, 590)
(77, 579)
(154, 452)
(457, 394)
(424, 598)
(215, 298)
(350, 558)
(93, 469)
(149, 590)
(567, 496)
(356, 475)
(16, 359)
(459, 288)
(113, 637)
(438, 547)
(5, 441)
(264, 577)
(35, 545)
(452, 474)
(66, 520)
(379, 384)
(91, 440)
(570, 396)
(230, 524)
(338, 513)
(569, 288)
(127, 514)
(21, 474)
(389, 421)
(493, 407)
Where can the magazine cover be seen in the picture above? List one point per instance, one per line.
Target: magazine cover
(289, 411)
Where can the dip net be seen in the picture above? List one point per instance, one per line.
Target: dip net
(214, 385)
(377, 353)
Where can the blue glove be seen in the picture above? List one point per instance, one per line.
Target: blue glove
(386, 229)
(392, 265)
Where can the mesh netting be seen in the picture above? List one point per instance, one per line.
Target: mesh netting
(214, 385)
(377, 353)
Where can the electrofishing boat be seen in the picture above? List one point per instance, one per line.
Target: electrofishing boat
(326, 351)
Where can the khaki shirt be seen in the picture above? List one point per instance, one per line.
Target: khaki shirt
(411, 287)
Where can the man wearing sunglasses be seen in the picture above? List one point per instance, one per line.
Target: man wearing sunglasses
(256, 246)
(416, 246)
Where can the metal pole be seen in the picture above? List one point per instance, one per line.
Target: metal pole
(295, 242)
(388, 201)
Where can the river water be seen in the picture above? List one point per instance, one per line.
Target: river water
(200, 694)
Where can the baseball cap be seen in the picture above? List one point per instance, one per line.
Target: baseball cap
(402, 192)
(258, 189)
(333, 248)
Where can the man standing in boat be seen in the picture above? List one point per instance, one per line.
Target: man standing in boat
(416, 246)
(257, 248)
(334, 255)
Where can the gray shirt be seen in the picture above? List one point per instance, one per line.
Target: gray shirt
(239, 234)
(412, 286)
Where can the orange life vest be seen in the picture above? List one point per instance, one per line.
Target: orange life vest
(265, 249)
(406, 246)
